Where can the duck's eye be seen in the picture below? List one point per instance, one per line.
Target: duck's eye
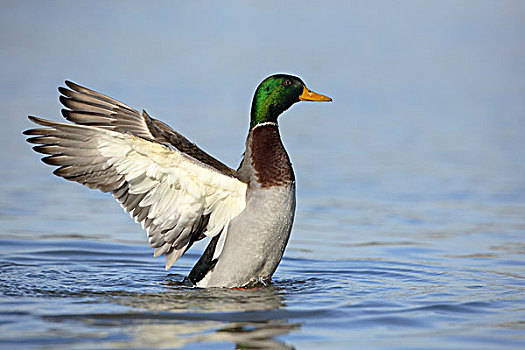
(287, 82)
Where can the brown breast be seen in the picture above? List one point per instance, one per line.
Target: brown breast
(269, 158)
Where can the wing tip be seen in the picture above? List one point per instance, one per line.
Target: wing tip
(39, 121)
(174, 255)
(64, 100)
(71, 85)
(64, 91)
(33, 118)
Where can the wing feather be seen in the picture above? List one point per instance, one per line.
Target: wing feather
(88, 107)
(177, 196)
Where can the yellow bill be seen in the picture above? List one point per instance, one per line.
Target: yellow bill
(309, 95)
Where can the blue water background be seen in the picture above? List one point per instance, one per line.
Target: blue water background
(410, 222)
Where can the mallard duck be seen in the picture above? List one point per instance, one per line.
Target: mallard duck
(178, 192)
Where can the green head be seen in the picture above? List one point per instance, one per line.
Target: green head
(276, 94)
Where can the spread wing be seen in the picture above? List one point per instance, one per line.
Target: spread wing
(174, 189)
(88, 107)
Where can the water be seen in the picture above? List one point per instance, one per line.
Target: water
(410, 223)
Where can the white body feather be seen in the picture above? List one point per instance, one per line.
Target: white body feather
(178, 187)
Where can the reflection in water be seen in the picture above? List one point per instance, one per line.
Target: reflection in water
(179, 315)
(245, 335)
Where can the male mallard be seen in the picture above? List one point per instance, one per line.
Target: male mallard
(178, 192)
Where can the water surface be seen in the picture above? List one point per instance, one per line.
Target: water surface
(410, 223)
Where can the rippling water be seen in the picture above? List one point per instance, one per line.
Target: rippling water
(410, 223)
